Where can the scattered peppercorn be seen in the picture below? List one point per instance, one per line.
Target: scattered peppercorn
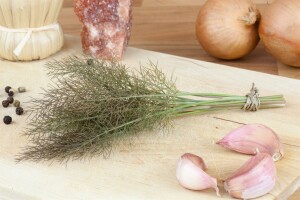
(10, 99)
(7, 120)
(21, 89)
(11, 93)
(5, 103)
(19, 110)
(7, 88)
(16, 103)
(89, 61)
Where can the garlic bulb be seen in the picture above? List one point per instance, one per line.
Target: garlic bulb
(253, 138)
(190, 173)
(254, 179)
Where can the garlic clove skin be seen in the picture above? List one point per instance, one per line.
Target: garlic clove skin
(253, 138)
(255, 178)
(190, 173)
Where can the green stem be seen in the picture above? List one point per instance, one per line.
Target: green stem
(208, 95)
(185, 106)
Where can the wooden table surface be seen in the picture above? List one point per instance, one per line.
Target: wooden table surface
(168, 26)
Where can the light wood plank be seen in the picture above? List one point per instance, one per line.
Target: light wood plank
(146, 169)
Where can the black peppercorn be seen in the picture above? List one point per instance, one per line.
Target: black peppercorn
(7, 120)
(7, 88)
(89, 61)
(10, 99)
(11, 93)
(5, 103)
(19, 110)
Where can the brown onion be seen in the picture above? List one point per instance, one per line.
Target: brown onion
(228, 29)
(280, 29)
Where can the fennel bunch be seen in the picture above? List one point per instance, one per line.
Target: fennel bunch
(93, 104)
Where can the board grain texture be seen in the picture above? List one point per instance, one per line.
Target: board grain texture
(145, 167)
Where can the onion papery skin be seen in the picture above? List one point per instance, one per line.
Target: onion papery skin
(280, 31)
(223, 33)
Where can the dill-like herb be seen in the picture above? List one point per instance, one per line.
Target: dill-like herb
(93, 104)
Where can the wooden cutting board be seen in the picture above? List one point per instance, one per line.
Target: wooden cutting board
(145, 169)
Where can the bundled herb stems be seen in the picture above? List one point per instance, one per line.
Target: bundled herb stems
(93, 104)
